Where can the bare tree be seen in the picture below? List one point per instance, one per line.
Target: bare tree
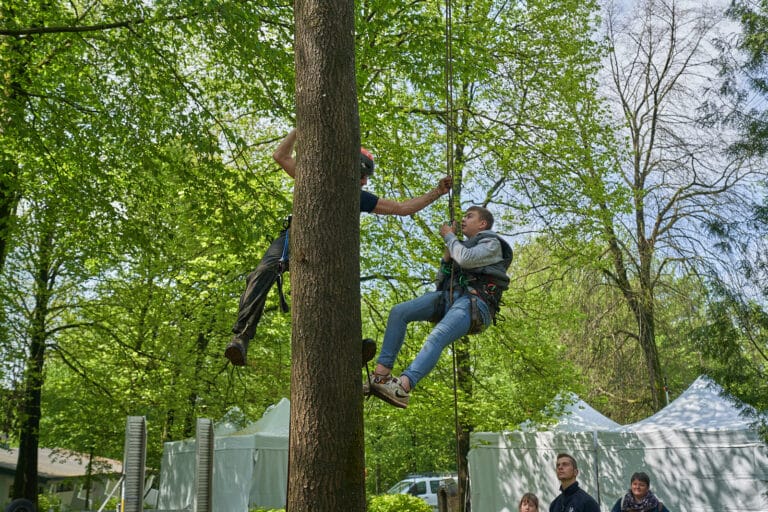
(680, 178)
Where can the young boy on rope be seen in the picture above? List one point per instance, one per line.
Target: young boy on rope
(275, 261)
(473, 275)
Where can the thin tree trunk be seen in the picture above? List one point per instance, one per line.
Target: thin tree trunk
(641, 302)
(8, 200)
(647, 335)
(464, 378)
(89, 478)
(463, 353)
(9, 115)
(26, 477)
(190, 419)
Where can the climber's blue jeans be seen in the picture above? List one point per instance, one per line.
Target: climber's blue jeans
(455, 323)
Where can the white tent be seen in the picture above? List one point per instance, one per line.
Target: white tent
(504, 466)
(700, 450)
(577, 416)
(250, 466)
(701, 454)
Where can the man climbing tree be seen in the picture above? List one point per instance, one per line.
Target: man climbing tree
(276, 259)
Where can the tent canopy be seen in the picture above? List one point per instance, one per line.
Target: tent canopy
(703, 406)
(577, 416)
(250, 466)
(700, 452)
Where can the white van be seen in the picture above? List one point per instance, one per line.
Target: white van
(425, 486)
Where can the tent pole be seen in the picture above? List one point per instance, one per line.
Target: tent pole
(204, 441)
(596, 458)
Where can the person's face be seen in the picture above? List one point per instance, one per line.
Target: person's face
(471, 224)
(527, 506)
(364, 180)
(565, 470)
(639, 489)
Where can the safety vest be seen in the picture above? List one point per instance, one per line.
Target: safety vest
(487, 282)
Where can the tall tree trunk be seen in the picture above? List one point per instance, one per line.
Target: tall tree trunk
(641, 303)
(646, 325)
(25, 478)
(89, 478)
(190, 419)
(326, 464)
(9, 198)
(464, 378)
(12, 58)
(462, 347)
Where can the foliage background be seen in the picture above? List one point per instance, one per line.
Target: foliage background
(138, 190)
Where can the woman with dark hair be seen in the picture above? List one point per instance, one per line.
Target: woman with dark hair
(639, 498)
(528, 503)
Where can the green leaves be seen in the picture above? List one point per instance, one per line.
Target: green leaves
(138, 138)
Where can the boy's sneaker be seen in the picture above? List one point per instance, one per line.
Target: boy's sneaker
(236, 351)
(388, 388)
(369, 378)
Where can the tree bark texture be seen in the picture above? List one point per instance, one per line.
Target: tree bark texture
(26, 476)
(640, 302)
(326, 468)
(465, 383)
(13, 61)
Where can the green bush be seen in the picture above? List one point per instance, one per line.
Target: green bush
(112, 504)
(48, 503)
(398, 503)
(383, 503)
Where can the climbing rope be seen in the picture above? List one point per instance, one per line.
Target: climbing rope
(449, 115)
(449, 160)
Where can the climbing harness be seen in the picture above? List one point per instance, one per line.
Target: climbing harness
(487, 282)
(282, 265)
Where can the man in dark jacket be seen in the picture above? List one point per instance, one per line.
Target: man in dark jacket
(572, 498)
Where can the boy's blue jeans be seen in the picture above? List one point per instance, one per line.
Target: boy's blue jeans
(454, 324)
